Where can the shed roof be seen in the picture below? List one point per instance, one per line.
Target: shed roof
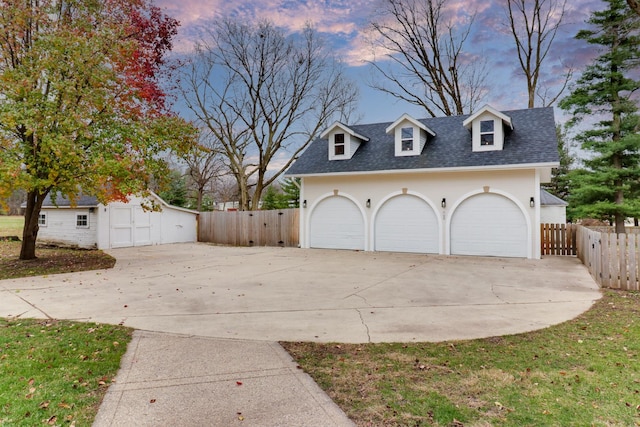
(84, 201)
(63, 202)
(548, 199)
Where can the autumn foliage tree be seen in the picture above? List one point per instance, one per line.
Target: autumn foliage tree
(81, 107)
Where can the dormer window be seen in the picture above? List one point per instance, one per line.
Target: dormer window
(410, 136)
(486, 132)
(488, 128)
(407, 139)
(343, 142)
(338, 144)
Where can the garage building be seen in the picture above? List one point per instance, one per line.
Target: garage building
(141, 221)
(461, 185)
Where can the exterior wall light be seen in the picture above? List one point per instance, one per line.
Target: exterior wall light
(443, 203)
(368, 203)
(532, 202)
(304, 203)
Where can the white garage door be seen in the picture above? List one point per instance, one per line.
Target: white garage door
(336, 223)
(130, 226)
(406, 224)
(489, 225)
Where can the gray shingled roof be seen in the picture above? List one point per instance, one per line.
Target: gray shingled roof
(532, 141)
(548, 199)
(62, 202)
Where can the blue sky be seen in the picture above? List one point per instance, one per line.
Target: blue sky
(344, 23)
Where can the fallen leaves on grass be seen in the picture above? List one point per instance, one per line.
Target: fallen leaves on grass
(50, 260)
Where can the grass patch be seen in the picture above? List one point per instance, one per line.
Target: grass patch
(51, 260)
(582, 372)
(56, 372)
(11, 225)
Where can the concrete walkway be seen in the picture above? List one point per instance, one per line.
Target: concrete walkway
(173, 380)
(206, 301)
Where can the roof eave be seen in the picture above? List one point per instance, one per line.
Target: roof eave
(433, 170)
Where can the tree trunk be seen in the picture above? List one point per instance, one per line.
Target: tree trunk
(257, 193)
(618, 217)
(200, 197)
(243, 189)
(30, 230)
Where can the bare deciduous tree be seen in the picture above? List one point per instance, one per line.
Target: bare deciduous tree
(428, 65)
(264, 96)
(534, 25)
(204, 166)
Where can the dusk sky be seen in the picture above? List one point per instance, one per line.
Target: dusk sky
(344, 23)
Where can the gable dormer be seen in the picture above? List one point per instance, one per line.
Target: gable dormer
(410, 136)
(343, 141)
(488, 127)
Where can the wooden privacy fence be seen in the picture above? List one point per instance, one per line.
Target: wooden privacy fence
(612, 259)
(250, 228)
(558, 239)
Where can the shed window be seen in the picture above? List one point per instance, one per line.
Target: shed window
(42, 220)
(338, 144)
(82, 221)
(407, 138)
(486, 132)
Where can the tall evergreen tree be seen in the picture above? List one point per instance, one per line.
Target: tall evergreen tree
(560, 177)
(291, 189)
(605, 92)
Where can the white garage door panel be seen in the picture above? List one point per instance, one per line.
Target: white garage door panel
(406, 224)
(142, 227)
(336, 223)
(489, 225)
(121, 227)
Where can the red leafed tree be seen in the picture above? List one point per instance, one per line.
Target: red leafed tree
(81, 108)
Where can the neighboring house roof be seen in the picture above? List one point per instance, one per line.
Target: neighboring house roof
(531, 142)
(548, 199)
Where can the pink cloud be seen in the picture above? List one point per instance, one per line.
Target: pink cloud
(345, 25)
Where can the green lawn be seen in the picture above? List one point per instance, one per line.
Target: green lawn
(581, 373)
(56, 372)
(11, 225)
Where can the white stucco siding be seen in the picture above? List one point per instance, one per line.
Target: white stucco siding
(520, 185)
(553, 214)
(61, 227)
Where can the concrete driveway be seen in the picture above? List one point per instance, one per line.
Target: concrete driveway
(293, 294)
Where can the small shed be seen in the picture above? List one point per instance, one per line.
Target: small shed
(89, 224)
(553, 210)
